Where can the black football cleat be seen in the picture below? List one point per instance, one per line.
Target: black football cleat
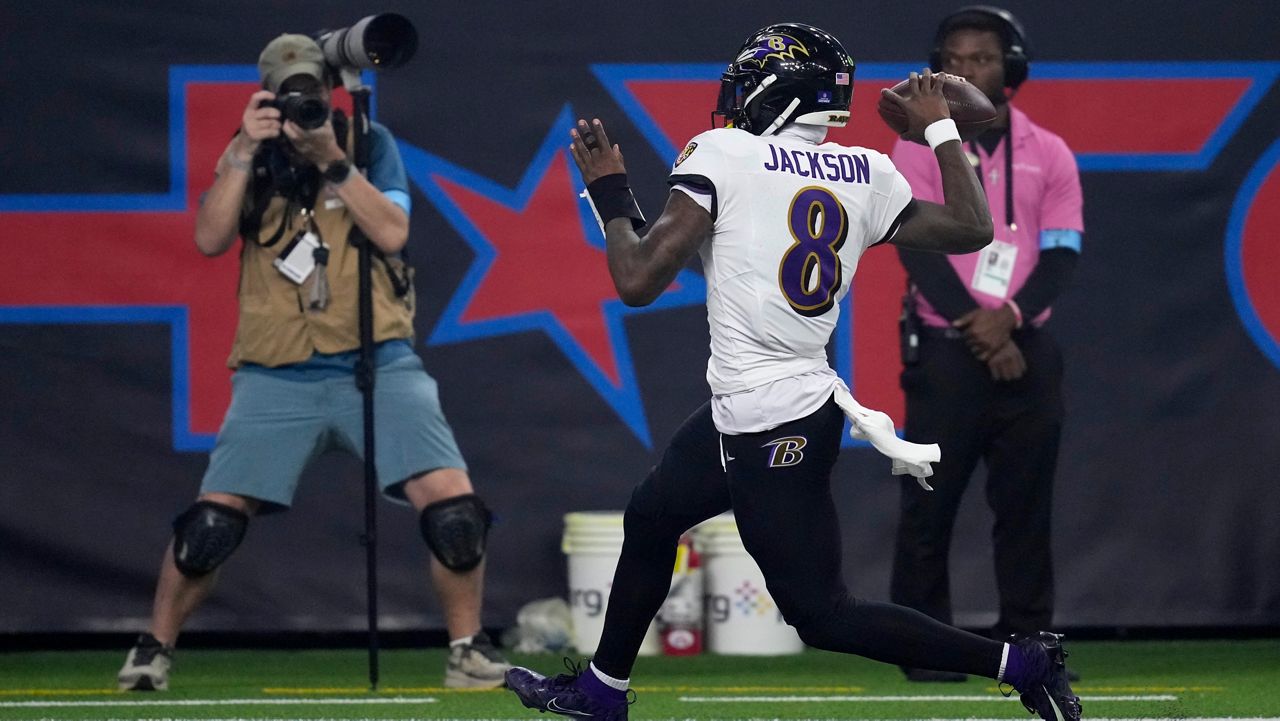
(1050, 695)
(561, 694)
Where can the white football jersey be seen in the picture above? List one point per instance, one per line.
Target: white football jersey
(792, 218)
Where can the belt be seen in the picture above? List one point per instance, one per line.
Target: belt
(948, 333)
(942, 332)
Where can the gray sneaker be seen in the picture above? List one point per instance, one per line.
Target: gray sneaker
(146, 668)
(475, 665)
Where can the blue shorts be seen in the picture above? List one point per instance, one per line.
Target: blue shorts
(276, 426)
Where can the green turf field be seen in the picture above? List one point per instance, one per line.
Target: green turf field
(1121, 680)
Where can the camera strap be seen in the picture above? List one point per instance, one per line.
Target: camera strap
(273, 175)
(401, 282)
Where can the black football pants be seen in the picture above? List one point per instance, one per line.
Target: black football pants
(778, 485)
(1014, 427)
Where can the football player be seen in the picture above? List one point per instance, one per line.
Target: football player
(780, 219)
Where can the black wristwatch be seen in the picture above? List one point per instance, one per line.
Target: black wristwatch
(337, 172)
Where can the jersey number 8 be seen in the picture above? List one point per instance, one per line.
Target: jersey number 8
(809, 274)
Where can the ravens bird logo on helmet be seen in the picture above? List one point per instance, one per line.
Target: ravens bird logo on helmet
(782, 47)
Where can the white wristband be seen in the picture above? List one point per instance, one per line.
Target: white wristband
(941, 131)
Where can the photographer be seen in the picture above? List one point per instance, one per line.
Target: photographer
(285, 185)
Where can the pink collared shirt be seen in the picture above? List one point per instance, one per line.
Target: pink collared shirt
(1046, 196)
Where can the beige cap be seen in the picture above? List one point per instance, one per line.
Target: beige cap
(289, 55)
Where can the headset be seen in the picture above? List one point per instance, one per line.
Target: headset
(1017, 50)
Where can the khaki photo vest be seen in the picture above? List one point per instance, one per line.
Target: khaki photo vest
(276, 325)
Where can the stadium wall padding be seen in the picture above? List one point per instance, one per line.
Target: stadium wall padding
(114, 330)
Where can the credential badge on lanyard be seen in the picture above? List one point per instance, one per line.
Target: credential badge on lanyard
(298, 259)
(994, 271)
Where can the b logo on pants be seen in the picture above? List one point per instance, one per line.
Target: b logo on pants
(786, 451)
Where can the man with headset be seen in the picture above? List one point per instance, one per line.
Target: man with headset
(985, 379)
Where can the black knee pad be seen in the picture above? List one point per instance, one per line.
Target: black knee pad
(205, 535)
(455, 530)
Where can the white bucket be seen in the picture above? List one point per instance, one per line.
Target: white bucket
(741, 617)
(593, 542)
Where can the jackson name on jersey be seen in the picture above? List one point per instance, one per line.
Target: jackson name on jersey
(791, 219)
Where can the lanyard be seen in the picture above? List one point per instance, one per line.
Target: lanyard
(1008, 172)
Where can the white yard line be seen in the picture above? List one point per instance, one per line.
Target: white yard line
(987, 698)
(526, 718)
(220, 702)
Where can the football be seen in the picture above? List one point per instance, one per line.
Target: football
(971, 110)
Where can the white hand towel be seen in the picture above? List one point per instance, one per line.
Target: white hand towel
(877, 427)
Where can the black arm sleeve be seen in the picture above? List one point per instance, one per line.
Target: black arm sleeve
(938, 283)
(1047, 281)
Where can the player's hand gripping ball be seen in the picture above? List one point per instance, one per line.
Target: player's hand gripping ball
(969, 108)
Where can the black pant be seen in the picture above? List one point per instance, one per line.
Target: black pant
(1014, 427)
(778, 485)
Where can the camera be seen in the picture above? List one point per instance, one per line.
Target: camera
(306, 111)
(376, 42)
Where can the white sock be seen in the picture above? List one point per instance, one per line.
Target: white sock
(1004, 659)
(461, 641)
(622, 684)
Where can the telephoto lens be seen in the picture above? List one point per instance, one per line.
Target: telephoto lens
(376, 42)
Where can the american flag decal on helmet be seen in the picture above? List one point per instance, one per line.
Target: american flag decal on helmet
(842, 78)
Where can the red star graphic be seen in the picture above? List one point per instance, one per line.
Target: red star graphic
(543, 262)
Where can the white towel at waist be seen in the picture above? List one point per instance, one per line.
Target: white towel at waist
(877, 428)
